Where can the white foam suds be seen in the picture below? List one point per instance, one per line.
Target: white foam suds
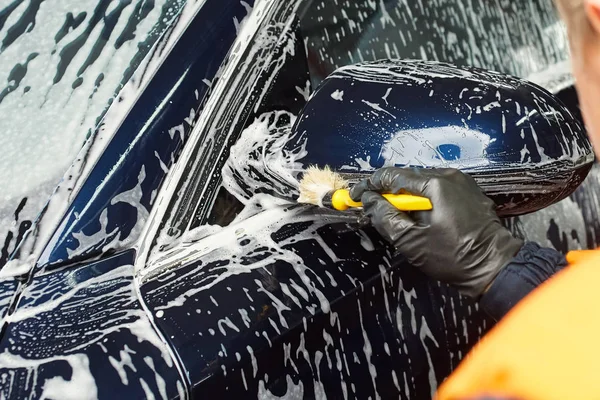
(368, 350)
(294, 391)
(424, 333)
(254, 362)
(125, 361)
(555, 77)
(261, 157)
(338, 95)
(81, 386)
(376, 107)
(220, 104)
(47, 132)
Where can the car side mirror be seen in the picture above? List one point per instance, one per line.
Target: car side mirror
(520, 143)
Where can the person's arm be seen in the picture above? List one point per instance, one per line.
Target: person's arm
(461, 241)
(532, 266)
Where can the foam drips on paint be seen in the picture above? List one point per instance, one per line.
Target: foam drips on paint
(467, 142)
(59, 300)
(385, 21)
(203, 249)
(293, 392)
(518, 38)
(218, 121)
(112, 239)
(65, 96)
(81, 386)
(251, 235)
(338, 95)
(405, 72)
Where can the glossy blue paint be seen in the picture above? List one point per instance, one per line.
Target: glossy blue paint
(132, 157)
(448, 152)
(71, 324)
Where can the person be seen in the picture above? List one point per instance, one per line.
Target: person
(546, 344)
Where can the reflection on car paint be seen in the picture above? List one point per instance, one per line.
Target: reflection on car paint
(446, 146)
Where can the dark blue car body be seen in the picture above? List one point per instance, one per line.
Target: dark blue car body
(154, 281)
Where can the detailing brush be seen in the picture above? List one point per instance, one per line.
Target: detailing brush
(326, 188)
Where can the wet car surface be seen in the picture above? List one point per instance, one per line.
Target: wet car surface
(168, 264)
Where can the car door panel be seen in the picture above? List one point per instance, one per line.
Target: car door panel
(319, 307)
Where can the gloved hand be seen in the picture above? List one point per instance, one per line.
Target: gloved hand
(460, 242)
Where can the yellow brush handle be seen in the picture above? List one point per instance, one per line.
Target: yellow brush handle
(404, 202)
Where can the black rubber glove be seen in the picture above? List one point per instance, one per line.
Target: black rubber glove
(460, 242)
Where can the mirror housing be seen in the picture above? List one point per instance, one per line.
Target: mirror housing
(520, 143)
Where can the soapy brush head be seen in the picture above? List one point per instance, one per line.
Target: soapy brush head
(318, 185)
(326, 188)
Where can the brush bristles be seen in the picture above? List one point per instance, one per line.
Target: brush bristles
(317, 183)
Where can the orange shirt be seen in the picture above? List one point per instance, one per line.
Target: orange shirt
(547, 347)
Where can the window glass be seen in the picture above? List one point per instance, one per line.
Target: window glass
(61, 64)
(514, 37)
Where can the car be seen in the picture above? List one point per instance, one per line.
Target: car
(172, 260)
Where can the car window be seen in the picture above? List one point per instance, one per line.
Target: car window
(61, 64)
(513, 37)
